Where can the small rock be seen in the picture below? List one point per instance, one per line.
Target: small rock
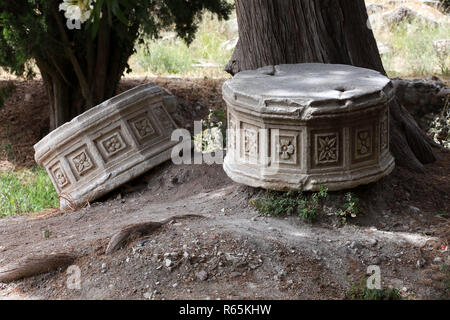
(141, 243)
(235, 274)
(376, 261)
(356, 245)
(437, 260)
(420, 263)
(373, 242)
(201, 275)
(413, 210)
(168, 263)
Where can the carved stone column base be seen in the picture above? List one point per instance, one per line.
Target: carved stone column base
(308, 125)
(108, 145)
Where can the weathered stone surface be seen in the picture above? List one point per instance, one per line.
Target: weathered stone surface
(417, 11)
(373, 8)
(442, 48)
(108, 145)
(306, 125)
(421, 97)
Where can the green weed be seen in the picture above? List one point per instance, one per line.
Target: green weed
(26, 191)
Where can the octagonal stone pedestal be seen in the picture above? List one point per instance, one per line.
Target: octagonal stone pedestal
(306, 125)
(108, 145)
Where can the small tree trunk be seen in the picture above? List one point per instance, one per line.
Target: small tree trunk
(59, 100)
(275, 32)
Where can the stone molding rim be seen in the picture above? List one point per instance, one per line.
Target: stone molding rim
(303, 105)
(106, 109)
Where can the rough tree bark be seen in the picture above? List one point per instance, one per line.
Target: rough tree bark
(275, 32)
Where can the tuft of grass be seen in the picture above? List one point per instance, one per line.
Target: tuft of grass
(359, 291)
(351, 209)
(165, 56)
(26, 191)
(412, 51)
(170, 55)
(277, 203)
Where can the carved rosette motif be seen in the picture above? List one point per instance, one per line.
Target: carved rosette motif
(251, 143)
(363, 143)
(232, 135)
(60, 177)
(143, 127)
(82, 162)
(162, 116)
(286, 148)
(113, 144)
(327, 148)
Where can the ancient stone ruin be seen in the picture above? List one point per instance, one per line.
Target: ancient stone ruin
(307, 125)
(108, 145)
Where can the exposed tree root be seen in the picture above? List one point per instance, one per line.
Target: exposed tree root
(35, 264)
(125, 235)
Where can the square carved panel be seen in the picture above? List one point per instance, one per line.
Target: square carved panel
(249, 141)
(285, 147)
(59, 176)
(231, 133)
(164, 119)
(143, 128)
(112, 144)
(363, 143)
(81, 162)
(327, 149)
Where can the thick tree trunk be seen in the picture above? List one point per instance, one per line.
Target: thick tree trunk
(275, 32)
(82, 75)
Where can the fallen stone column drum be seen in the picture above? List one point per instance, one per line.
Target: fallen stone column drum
(108, 145)
(299, 127)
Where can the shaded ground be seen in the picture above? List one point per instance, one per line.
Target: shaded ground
(230, 252)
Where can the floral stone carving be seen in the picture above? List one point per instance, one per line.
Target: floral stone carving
(108, 145)
(306, 125)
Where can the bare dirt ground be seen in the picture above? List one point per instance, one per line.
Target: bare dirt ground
(229, 252)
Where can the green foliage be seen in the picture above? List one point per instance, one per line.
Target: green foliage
(351, 209)
(6, 92)
(171, 55)
(47, 233)
(412, 46)
(165, 56)
(276, 203)
(26, 191)
(445, 284)
(359, 291)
